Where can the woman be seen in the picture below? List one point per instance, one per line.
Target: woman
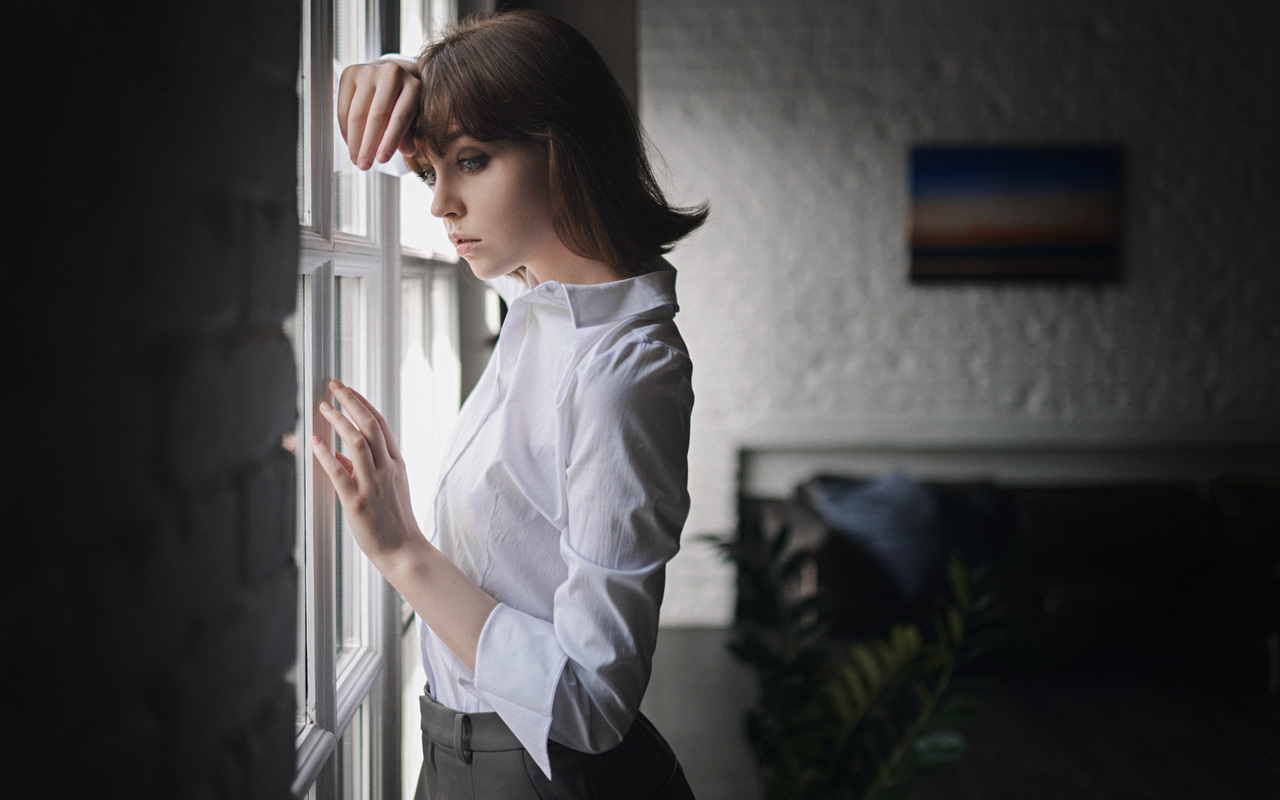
(563, 492)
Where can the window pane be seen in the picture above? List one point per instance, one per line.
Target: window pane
(351, 187)
(429, 380)
(441, 12)
(419, 231)
(413, 26)
(350, 32)
(415, 392)
(352, 574)
(355, 761)
(446, 354)
(423, 19)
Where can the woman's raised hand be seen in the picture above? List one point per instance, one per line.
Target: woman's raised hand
(376, 106)
(371, 482)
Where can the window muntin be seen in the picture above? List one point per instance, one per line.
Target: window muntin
(352, 28)
(299, 327)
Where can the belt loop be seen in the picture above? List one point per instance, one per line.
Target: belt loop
(462, 737)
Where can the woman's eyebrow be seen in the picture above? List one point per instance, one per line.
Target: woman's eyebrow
(446, 149)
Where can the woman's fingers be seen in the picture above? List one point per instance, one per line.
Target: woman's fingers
(372, 486)
(376, 116)
(399, 135)
(346, 95)
(355, 121)
(388, 438)
(376, 106)
(355, 92)
(338, 473)
(363, 455)
(366, 418)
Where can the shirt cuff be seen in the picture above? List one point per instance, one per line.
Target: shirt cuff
(404, 62)
(518, 666)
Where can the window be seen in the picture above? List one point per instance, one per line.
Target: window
(379, 311)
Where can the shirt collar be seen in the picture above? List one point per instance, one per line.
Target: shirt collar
(602, 303)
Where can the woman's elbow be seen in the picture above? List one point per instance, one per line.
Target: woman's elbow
(606, 734)
(590, 724)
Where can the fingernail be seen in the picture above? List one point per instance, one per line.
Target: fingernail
(324, 405)
(337, 384)
(365, 163)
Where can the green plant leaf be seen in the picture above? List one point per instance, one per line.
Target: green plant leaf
(906, 639)
(959, 579)
(942, 746)
(850, 721)
(955, 625)
(855, 683)
(869, 666)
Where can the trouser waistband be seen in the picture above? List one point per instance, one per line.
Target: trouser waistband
(465, 733)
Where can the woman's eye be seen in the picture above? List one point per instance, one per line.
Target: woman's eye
(428, 176)
(472, 164)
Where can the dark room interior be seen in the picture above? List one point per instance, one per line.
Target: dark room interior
(1108, 447)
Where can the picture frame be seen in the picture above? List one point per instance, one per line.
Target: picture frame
(1015, 212)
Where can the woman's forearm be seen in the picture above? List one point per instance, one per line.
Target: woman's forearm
(448, 601)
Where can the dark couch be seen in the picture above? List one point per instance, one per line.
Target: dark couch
(1185, 572)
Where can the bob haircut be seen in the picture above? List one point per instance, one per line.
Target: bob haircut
(526, 76)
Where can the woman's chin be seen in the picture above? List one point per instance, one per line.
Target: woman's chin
(487, 271)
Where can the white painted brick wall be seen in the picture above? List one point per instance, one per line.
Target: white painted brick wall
(795, 120)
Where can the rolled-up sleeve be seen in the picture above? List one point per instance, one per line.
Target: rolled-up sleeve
(579, 678)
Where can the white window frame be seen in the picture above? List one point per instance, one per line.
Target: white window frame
(355, 717)
(339, 684)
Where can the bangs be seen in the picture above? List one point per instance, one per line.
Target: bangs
(465, 96)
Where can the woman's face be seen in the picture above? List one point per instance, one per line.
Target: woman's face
(495, 201)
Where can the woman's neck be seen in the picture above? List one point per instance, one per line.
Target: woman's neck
(570, 269)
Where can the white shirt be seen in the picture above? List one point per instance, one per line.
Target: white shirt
(563, 494)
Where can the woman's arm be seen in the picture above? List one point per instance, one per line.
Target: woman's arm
(373, 486)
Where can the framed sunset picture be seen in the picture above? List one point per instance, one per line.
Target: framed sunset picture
(1015, 212)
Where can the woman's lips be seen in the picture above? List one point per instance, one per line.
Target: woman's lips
(465, 245)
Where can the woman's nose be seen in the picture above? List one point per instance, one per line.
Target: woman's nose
(444, 200)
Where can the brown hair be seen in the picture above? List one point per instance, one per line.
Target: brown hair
(527, 76)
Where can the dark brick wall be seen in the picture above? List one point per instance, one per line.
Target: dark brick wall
(148, 584)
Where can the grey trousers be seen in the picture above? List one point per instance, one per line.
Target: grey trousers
(477, 757)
